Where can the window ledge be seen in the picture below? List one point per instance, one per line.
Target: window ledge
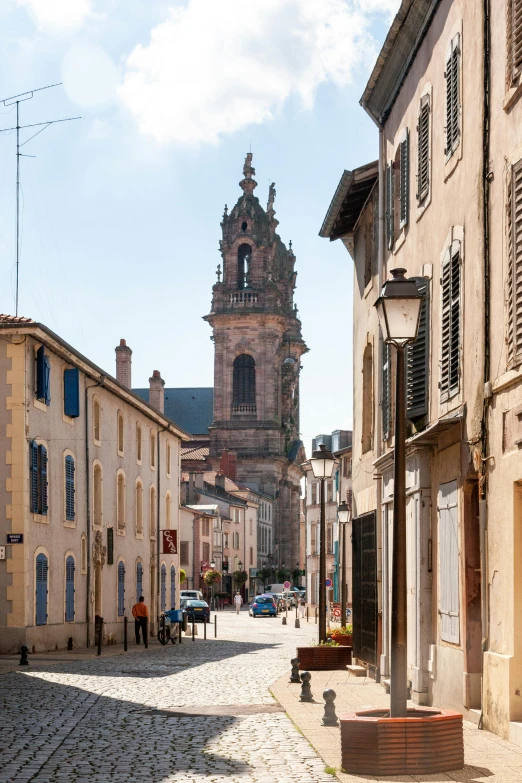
(423, 206)
(139, 536)
(121, 453)
(452, 162)
(69, 420)
(97, 442)
(512, 96)
(120, 532)
(71, 523)
(368, 288)
(509, 378)
(399, 242)
(42, 518)
(40, 405)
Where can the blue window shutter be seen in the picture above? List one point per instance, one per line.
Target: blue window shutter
(69, 488)
(163, 587)
(33, 462)
(71, 392)
(43, 480)
(172, 587)
(69, 589)
(139, 580)
(121, 589)
(40, 373)
(47, 387)
(42, 567)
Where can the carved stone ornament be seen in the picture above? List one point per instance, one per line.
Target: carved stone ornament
(98, 549)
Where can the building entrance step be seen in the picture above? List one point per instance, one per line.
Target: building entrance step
(357, 671)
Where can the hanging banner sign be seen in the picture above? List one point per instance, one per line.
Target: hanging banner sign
(170, 542)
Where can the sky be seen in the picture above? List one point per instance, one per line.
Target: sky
(120, 210)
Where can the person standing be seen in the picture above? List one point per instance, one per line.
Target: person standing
(140, 613)
(302, 604)
(238, 601)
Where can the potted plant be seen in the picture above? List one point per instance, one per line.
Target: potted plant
(343, 636)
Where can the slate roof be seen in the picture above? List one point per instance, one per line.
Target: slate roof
(190, 409)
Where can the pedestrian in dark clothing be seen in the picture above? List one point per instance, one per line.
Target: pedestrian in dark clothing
(141, 619)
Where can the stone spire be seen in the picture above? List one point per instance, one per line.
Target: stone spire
(248, 183)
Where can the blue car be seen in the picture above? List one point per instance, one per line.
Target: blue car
(263, 606)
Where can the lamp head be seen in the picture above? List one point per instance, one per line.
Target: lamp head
(322, 462)
(398, 308)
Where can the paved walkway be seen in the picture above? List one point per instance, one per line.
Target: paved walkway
(197, 712)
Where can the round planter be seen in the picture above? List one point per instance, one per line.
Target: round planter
(426, 742)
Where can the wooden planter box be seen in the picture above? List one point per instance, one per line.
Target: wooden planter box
(324, 658)
(426, 742)
(345, 641)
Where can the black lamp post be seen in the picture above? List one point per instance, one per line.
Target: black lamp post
(343, 515)
(399, 307)
(213, 566)
(322, 462)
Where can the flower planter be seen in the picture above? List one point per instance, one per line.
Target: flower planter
(324, 658)
(426, 742)
(344, 641)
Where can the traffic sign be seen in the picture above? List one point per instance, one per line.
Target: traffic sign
(328, 583)
(287, 585)
(336, 612)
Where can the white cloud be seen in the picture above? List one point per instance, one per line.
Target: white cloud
(217, 66)
(389, 7)
(58, 15)
(89, 76)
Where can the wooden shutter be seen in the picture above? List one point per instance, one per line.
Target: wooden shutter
(69, 488)
(110, 546)
(450, 354)
(386, 391)
(139, 580)
(42, 567)
(121, 589)
(172, 587)
(516, 36)
(69, 589)
(404, 182)
(390, 215)
(42, 480)
(515, 266)
(423, 137)
(163, 592)
(417, 360)
(183, 552)
(449, 598)
(71, 392)
(33, 463)
(40, 373)
(452, 76)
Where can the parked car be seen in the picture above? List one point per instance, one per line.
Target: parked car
(195, 595)
(197, 611)
(280, 601)
(263, 606)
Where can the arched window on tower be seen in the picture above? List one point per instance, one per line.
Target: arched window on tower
(244, 262)
(244, 381)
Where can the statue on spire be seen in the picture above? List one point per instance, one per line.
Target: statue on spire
(271, 198)
(248, 182)
(248, 170)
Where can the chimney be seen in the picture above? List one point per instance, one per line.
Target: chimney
(157, 391)
(220, 480)
(228, 463)
(123, 364)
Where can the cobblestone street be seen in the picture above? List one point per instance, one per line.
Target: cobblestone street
(101, 719)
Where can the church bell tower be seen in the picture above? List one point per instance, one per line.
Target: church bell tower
(258, 348)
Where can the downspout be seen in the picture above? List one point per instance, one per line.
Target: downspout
(486, 175)
(88, 510)
(158, 509)
(378, 423)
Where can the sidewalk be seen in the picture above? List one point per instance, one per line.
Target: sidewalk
(487, 757)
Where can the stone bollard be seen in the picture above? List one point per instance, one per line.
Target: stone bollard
(294, 676)
(306, 691)
(329, 717)
(284, 620)
(297, 624)
(24, 660)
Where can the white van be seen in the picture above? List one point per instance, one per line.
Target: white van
(192, 595)
(276, 589)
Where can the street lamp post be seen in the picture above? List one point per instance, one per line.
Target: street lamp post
(399, 307)
(343, 515)
(212, 565)
(322, 462)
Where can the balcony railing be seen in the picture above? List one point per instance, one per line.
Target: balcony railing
(243, 297)
(243, 408)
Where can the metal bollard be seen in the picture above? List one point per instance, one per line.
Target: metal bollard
(193, 626)
(70, 643)
(306, 614)
(215, 626)
(297, 624)
(294, 675)
(100, 635)
(316, 615)
(24, 660)
(179, 632)
(125, 629)
(284, 620)
(329, 717)
(306, 690)
(204, 628)
(146, 633)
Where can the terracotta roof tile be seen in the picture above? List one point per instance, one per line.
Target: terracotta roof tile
(14, 319)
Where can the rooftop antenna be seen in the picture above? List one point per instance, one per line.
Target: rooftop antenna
(18, 99)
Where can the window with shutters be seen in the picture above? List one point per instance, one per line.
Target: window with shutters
(163, 587)
(184, 552)
(417, 360)
(139, 580)
(172, 587)
(403, 179)
(452, 76)
(83, 554)
(244, 380)
(69, 589)
(97, 506)
(514, 282)
(42, 591)
(138, 443)
(139, 509)
(386, 391)
(367, 400)
(390, 205)
(120, 433)
(205, 527)
(449, 596)
(96, 420)
(514, 41)
(168, 506)
(450, 337)
(168, 457)
(110, 546)
(120, 501)
(71, 392)
(423, 150)
(205, 552)
(329, 539)
(121, 589)
(153, 449)
(69, 488)
(43, 376)
(152, 513)
(251, 556)
(38, 478)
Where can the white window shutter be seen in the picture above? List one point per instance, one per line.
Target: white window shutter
(515, 267)
(452, 75)
(404, 182)
(516, 37)
(423, 152)
(449, 593)
(390, 216)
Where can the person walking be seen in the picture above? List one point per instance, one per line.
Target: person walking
(238, 601)
(302, 604)
(140, 613)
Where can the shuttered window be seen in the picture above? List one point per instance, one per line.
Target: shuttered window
(514, 336)
(244, 380)
(450, 355)
(121, 589)
(452, 76)
(390, 212)
(417, 360)
(42, 575)
(71, 392)
(43, 376)
(69, 589)
(163, 587)
(172, 587)
(110, 546)
(184, 552)
(139, 580)
(516, 37)
(423, 152)
(404, 179)
(120, 502)
(386, 391)
(38, 478)
(69, 488)
(449, 598)
(139, 508)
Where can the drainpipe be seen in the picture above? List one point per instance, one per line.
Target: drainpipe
(378, 423)
(88, 510)
(158, 508)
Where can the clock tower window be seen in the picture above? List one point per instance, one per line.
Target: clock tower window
(244, 380)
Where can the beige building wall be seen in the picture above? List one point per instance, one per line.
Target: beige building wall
(313, 519)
